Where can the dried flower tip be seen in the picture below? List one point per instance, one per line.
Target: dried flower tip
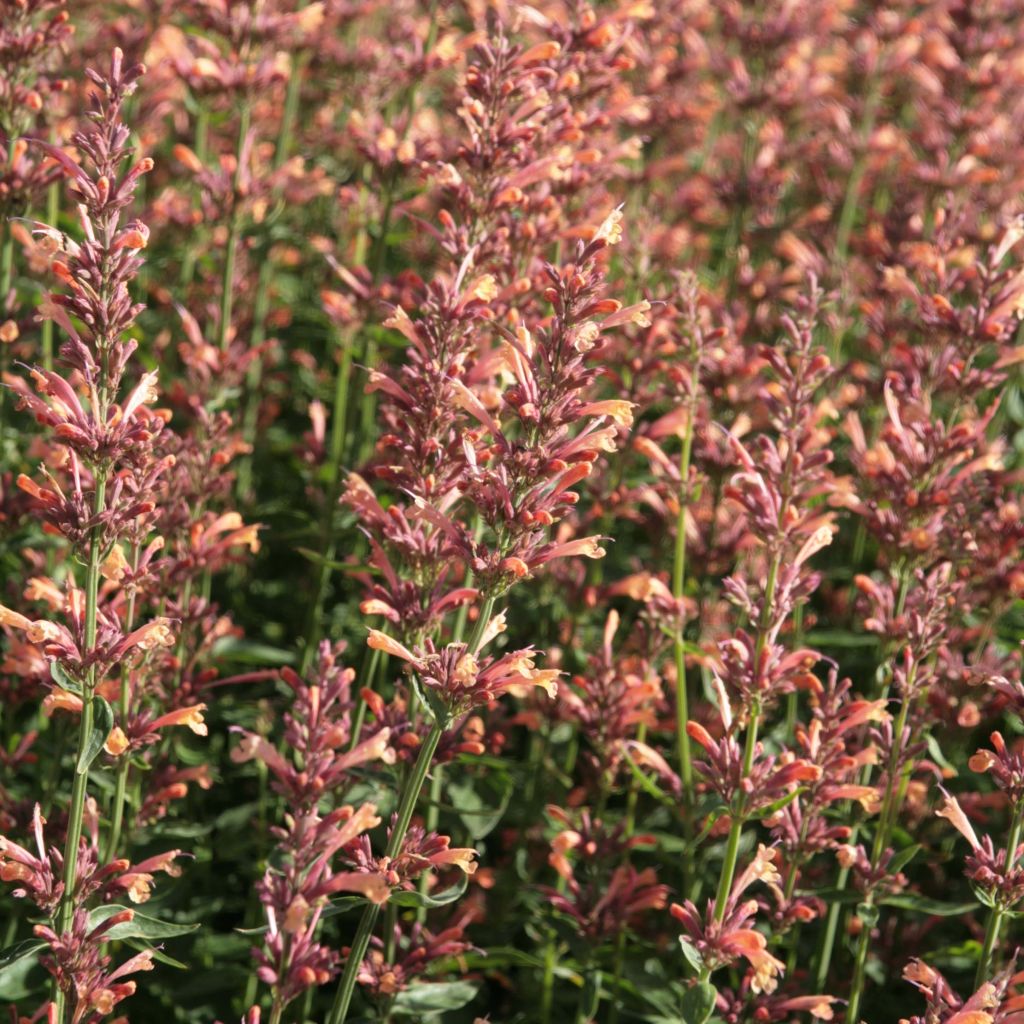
(610, 230)
(114, 565)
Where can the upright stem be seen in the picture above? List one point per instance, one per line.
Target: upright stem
(410, 794)
(852, 198)
(831, 926)
(123, 708)
(486, 610)
(200, 138)
(835, 910)
(336, 452)
(66, 910)
(998, 913)
(585, 1001)
(368, 403)
(890, 808)
(369, 676)
(52, 214)
(732, 846)
(227, 294)
(678, 585)
(430, 823)
(261, 303)
(6, 279)
(186, 613)
(437, 778)
(547, 992)
(850, 201)
(620, 939)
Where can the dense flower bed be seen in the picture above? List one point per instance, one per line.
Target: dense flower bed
(511, 512)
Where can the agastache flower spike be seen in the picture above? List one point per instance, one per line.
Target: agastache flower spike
(98, 490)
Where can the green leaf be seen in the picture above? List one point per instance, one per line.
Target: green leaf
(342, 905)
(158, 954)
(783, 801)
(819, 638)
(479, 815)
(646, 783)
(924, 905)
(429, 698)
(433, 998)
(63, 680)
(413, 898)
(20, 950)
(936, 754)
(498, 957)
(709, 825)
(15, 962)
(903, 858)
(693, 958)
(699, 1003)
(102, 723)
(141, 926)
(590, 997)
(868, 914)
(318, 559)
(250, 653)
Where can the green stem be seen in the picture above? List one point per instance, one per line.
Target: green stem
(336, 453)
(201, 135)
(831, 926)
(852, 197)
(586, 1000)
(824, 961)
(410, 794)
(66, 910)
(859, 967)
(368, 403)
(6, 278)
(437, 779)
(369, 677)
(486, 611)
(732, 846)
(261, 305)
(851, 201)
(890, 808)
(620, 939)
(998, 913)
(186, 612)
(547, 991)
(430, 823)
(123, 708)
(679, 649)
(227, 294)
(52, 216)
(618, 964)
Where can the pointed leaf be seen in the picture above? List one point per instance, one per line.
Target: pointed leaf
(140, 927)
(102, 723)
(924, 905)
(693, 958)
(433, 998)
(412, 898)
(699, 1003)
(903, 858)
(63, 680)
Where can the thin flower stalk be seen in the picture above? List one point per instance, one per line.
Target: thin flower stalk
(695, 347)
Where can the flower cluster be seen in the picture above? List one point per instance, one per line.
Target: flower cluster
(525, 498)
